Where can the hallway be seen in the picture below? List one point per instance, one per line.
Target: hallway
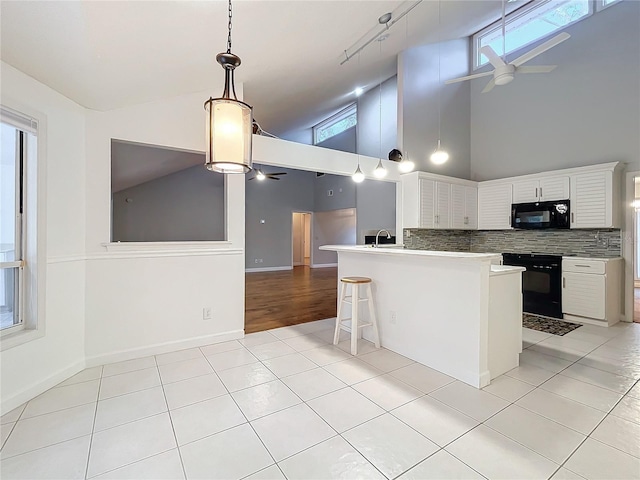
(282, 298)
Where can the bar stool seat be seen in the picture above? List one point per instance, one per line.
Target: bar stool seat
(353, 324)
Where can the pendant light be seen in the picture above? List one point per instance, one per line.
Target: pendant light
(439, 156)
(229, 121)
(380, 171)
(358, 176)
(406, 165)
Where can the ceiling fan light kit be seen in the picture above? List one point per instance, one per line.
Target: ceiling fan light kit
(229, 124)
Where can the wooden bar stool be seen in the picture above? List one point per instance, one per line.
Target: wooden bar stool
(352, 324)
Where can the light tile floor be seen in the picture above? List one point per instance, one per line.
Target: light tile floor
(287, 404)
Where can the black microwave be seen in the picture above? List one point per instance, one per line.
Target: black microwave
(540, 215)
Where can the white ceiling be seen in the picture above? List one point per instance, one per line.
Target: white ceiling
(110, 54)
(135, 163)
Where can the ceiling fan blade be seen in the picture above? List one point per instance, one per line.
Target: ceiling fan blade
(536, 69)
(274, 178)
(490, 85)
(541, 49)
(252, 178)
(470, 77)
(277, 173)
(493, 57)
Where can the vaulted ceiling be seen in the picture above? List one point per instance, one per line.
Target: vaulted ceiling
(110, 54)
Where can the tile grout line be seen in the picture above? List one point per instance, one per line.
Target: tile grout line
(245, 417)
(175, 437)
(93, 426)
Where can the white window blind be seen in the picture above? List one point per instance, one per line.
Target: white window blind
(18, 120)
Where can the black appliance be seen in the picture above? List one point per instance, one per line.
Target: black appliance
(382, 239)
(540, 215)
(541, 283)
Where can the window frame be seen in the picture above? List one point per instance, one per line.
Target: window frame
(517, 15)
(349, 110)
(17, 264)
(603, 5)
(33, 223)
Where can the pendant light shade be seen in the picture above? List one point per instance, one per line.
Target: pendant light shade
(229, 124)
(358, 176)
(380, 171)
(439, 156)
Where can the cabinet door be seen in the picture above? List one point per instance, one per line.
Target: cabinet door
(526, 191)
(458, 206)
(494, 207)
(471, 207)
(554, 188)
(584, 295)
(591, 200)
(427, 203)
(443, 205)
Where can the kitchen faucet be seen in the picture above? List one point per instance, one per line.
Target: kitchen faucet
(379, 232)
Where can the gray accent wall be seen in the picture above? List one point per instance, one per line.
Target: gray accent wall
(334, 227)
(582, 242)
(586, 111)
(376, 206)
(345, 141)
(334, 192)
(374, 121)
(184, 206)
(274, 201)
(418, 95)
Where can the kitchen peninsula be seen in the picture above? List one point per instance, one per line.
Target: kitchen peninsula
(457, 312)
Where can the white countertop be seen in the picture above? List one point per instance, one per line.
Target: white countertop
(407, 252)
(505, 269)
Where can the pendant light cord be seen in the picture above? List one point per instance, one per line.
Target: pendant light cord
(380, 92)
(439, 79)
(504, 35)
(229, 26)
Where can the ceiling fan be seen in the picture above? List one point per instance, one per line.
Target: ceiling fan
(260, 175)
(504, 71)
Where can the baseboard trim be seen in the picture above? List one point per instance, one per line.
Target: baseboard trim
(268, 269)
(160, 348)
(41, 386)
(324, 265)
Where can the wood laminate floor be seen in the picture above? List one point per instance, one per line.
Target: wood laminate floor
(278, 299)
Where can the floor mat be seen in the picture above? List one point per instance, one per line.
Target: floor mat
(548, 325)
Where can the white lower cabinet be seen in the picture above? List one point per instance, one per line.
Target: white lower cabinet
(591, 290)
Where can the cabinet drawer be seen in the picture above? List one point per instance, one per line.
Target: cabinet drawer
(584, 266)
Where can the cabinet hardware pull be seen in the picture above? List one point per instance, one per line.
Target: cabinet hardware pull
(536, 192)
(572, 220)
(583, 266)
(540, 192)
(564, 282)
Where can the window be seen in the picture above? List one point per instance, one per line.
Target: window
(529, 24)
(14, 141)
(602, 4)
(336, 124)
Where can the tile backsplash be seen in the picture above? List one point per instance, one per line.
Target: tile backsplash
(581, 242)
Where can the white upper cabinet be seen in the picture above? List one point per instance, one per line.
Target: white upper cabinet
(494, 206)
(552, 189)
(592, 200)
(526, 191)
(464, 207)
(546, 189)
(431, 201)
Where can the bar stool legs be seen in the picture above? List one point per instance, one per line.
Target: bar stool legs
(355, 326)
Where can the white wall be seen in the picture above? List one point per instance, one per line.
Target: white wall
(32, 367)
(586, 111)
(146, 301)
(418, 97)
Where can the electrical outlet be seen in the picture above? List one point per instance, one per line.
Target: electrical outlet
(392, 316)
(255, 260)
(407, 233)
(329, 193)
(259, 260)
(206, 313)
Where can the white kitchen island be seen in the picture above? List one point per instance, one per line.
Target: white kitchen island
(459, 313)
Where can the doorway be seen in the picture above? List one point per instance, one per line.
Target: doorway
(301, 239)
